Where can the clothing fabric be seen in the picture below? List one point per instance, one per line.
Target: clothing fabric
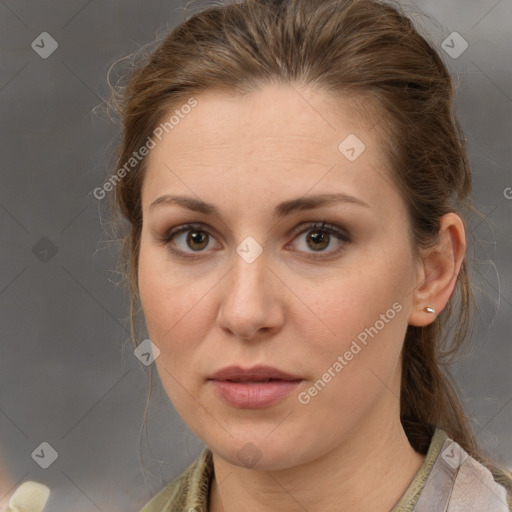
(449, 480)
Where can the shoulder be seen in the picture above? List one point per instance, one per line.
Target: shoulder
(451, 480)
(455, 481)
(188, 492)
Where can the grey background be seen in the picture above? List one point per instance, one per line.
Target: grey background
(68, 375)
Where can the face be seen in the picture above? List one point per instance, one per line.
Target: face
(258, 281)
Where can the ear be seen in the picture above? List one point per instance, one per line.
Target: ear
(438, 271)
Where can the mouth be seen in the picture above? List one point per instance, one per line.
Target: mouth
(255, 374)
(241, 381)
(254, 388)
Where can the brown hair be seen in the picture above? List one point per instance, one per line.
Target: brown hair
(365, 48)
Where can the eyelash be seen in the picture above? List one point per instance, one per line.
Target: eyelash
(322, 227)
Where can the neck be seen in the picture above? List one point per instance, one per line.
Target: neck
(370, 470)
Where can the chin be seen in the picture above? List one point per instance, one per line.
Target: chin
(259, 451)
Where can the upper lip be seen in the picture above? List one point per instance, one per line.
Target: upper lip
(237, 373)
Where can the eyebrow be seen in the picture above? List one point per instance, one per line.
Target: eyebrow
(281, 210)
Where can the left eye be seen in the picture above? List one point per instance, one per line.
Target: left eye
(319, 237)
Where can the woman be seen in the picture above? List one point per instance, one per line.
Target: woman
(295, 184)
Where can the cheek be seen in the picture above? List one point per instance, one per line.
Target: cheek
(165, 302)
(179, 313)
(167, 296)
(170, 312)
(364, 310)
(358, 296)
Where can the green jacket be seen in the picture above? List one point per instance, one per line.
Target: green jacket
(449, 480)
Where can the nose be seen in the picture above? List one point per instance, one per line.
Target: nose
(251, 304)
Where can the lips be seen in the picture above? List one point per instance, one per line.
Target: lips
(254, 388)
(255, 374)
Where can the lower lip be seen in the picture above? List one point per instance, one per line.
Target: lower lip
(254, 395)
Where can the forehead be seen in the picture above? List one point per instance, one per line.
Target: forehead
(275, 136)
(276, 113)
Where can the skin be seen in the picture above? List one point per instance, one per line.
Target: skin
(345, 449)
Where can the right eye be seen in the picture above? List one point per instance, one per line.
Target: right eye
(188, 236)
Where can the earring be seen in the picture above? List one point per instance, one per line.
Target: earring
(428, 309)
